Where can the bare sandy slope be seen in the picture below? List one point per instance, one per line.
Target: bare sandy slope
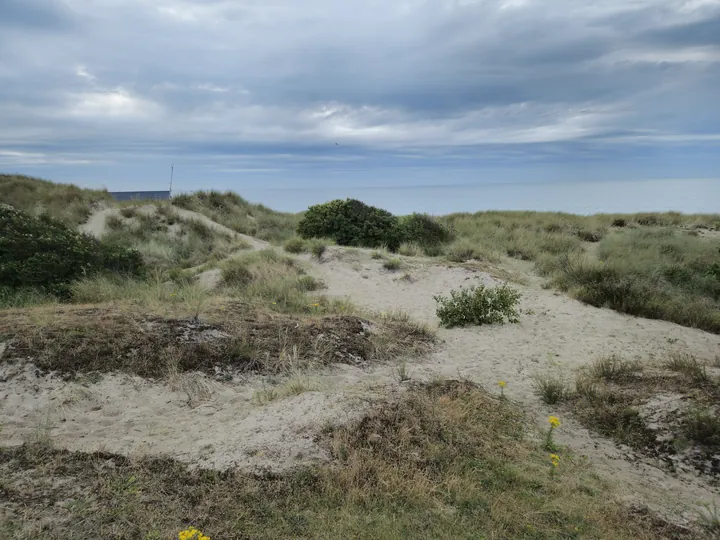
(222, 424)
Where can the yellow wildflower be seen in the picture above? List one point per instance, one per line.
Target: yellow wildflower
(502, 384)
(192, 534)
(555, 460)
(554, 421)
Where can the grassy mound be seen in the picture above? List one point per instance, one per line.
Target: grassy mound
(73, 340)
(236, 213)
(65, 202)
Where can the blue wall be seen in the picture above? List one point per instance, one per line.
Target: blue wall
(140, 195)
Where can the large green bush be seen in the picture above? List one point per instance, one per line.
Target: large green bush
(478, 305)
(351, 223)
(424, 230)
(41, 252)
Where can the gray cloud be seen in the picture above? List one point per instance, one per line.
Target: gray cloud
(34, 14)
(135, 77)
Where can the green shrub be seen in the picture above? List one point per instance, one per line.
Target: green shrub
(478, 305)
(424, 230)
(44, 253)
(295, 245)
(351, 223)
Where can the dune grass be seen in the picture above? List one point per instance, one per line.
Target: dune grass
(66, 202)
(445, 461)
(653, 273)
(236, 213)
(649, 265)
(167, 240)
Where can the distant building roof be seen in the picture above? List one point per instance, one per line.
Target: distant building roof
(140, 195)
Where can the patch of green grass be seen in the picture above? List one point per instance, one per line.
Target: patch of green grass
(551, 389)
(295, 245)
(410, 249)
(166, 241)
(702, 426)
(653, 273)
(444, 461)
(688, 366)
(613, 368)
(392, 265)
(317, 246)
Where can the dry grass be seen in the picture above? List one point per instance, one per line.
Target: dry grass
(80, 339)
(445, 461)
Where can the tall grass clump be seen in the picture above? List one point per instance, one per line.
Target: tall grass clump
(478, 305)
(269, 279)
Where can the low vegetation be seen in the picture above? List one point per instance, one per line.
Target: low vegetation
(166, 240)
(65, 202)
(478, 305)
(228, 338)
(446, 461)
(666, 410)
(649, 265)
(652, 273)
(236, 213)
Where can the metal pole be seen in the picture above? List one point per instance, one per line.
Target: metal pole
(172, 170)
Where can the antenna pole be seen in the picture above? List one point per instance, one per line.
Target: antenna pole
(172, 171)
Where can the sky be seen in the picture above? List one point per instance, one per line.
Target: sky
(441, 105)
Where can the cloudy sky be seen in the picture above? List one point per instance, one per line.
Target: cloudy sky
(327, 97)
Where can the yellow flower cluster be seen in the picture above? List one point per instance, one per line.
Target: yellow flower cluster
(502, 384)
(555, 460)
(192, 534)
(554, 422)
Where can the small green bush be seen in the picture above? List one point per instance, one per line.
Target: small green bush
(295, 245)
(478, 305)
(44, 253)
(351, 223)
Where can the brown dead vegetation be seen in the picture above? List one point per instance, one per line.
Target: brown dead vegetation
(78, 339)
